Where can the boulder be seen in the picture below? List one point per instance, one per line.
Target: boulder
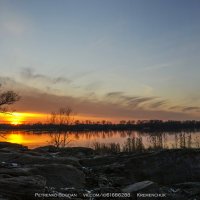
(190, 188)
(60, 175)
(76, 151)
(142, 186)
(13, 146)
(22, 187)
(66, 151)
(165, 167)
(3, 198)
(15, 171)
(27, 159)
(46, 149)
(8, 156)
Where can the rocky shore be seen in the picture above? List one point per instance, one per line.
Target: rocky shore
(82, 173)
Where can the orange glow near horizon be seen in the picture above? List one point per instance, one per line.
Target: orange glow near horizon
(18, 118)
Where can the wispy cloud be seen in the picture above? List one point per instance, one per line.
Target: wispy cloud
(126, 100)
(35, 100)
(158, 104)
(29, 74)
(191, 108)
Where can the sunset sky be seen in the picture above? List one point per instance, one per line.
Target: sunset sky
(111, 59)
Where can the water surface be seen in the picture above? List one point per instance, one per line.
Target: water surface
(89, 139)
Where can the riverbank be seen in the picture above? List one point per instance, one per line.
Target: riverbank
(141, 125)
(82, 173)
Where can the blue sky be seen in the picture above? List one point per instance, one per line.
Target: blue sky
(87, 49)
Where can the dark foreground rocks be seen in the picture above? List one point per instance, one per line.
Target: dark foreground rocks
(22, 187)
(81, 173)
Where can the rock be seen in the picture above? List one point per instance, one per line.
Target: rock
(66, 151)
(22, 187)
(165, 167)
(12, 146)
(60, 176)
(3, 198)
(45, 149)
(16, 171)
(188, 185)
(119, 181)
(141, 187)
(99, 161)
(79, 152)
(27, 159)
(189, 188)
(103, 181)
(8, 157)
(106, 190)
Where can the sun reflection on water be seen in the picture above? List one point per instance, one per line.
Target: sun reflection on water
(15, 138)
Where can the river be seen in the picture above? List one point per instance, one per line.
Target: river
(90, 139)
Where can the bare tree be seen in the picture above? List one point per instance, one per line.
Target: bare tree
(63, 118)
(7, 98)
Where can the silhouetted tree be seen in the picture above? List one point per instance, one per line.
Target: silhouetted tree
(63, 118)
(7, 98)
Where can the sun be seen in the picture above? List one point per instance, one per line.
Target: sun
(16, 118)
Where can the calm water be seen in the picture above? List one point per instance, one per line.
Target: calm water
(88, 139)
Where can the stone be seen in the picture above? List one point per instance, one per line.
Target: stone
(76, 151)
(141, 187)
(10, 146)
(8, 157)
(27, 159)
(22, 187)
(45, 149)
(60, 175)
(16, 171)
(165, 167)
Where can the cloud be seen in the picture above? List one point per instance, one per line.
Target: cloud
(140, 100)
(191, 108)
(29, 74)
(93, 86)
(115, 94)
(35, 100)
(130, 101)
(158, 104)
(43, 102)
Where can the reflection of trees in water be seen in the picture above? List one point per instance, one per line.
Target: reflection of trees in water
(197, 142)
(133, 144)
(135, 140)
(158, 141)
(96, 134)
(3, 135)
(60, 139)
(63, 118)
(107, 148)
(128, 140)
(181, 140)
(184, 140)
(123, 134)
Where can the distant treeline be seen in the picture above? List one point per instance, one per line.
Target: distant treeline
(143, 126)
